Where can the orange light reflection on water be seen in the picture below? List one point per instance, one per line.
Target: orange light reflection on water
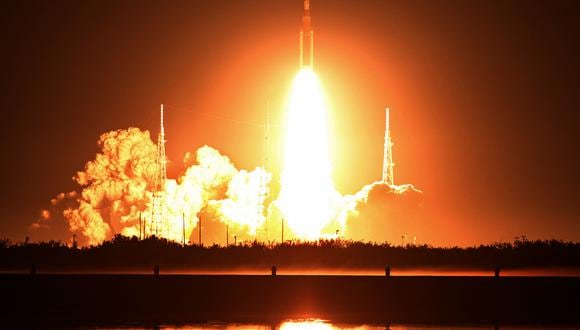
(306, 325)
(558, 272)
(319, 324)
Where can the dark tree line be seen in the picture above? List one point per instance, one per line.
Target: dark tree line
(127, 253)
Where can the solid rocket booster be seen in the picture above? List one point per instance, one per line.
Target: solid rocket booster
(306, 38)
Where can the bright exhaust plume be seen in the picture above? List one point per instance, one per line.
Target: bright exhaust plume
(308, 199)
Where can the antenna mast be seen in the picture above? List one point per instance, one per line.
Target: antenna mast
(388, 164)
(263, 184)
(158, 208)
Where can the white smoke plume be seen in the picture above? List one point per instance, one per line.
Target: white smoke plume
(114, 186)
(244, 206)
(384, 213)
(377, 213)
(216, 187)
(116, 192)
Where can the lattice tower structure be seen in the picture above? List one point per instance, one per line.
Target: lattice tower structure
(159, 208)
(388, 163)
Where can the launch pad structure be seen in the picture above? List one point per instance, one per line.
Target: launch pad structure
(158, 207)
(263, 184)
(155, 224)
(388, 163)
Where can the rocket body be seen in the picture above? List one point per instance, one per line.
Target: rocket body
(306, 38)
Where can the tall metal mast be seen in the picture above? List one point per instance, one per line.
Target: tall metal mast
(158, 209)
(388, 164)
(263, 184)
(266, 161)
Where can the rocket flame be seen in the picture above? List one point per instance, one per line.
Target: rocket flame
(308, 199)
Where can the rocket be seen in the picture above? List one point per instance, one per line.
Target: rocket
(306, 38)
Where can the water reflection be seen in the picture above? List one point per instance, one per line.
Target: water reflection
(531, 272)
(306, 325)
(318, 324)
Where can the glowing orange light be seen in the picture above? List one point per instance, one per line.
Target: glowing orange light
(308, 199)
(306, 325)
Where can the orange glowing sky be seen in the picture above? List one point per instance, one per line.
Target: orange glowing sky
(484, 107)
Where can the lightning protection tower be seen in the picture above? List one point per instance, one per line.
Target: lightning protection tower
(388, 164)
(263, 188)
(158, 209)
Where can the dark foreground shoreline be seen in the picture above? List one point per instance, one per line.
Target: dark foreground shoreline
(127, 253)
(58, 300)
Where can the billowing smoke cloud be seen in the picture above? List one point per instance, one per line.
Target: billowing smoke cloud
(244, 206)
(42, 221)
(215, 188)
(115, 197)
(115, 186)
(380, 212)
(116, 192)
(377, 213)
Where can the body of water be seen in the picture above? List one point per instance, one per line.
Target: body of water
(558, 272)
(318, 324)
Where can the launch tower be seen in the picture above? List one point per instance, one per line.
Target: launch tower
(263, 189)
(158, 209)
(306, 38)
(388, 164)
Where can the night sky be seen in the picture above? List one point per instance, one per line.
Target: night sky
(484, 98)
